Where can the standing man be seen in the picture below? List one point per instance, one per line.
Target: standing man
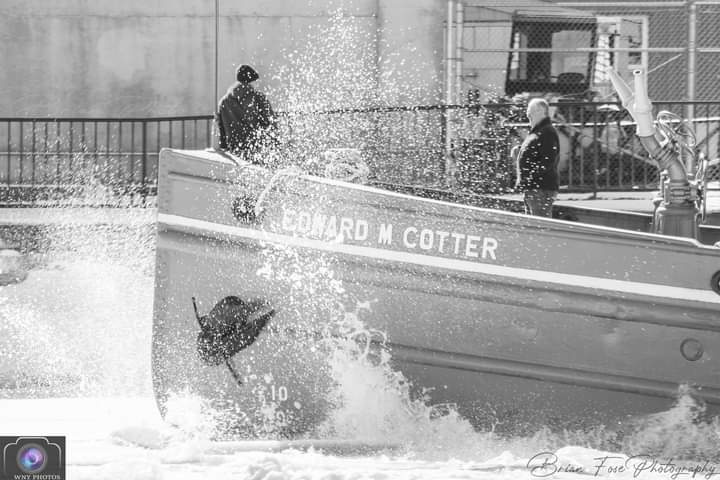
(245, 119)
(537, 161)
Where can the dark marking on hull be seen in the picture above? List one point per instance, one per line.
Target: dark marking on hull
(231, 326)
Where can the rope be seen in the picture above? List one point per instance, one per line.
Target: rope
(281, 176)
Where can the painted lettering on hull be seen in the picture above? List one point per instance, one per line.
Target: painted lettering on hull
(424, 239)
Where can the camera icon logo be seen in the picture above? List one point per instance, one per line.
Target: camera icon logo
(32, 458)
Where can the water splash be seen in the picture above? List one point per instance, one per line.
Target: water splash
(371, 400)
(192, 416)
(683, 432)
(80, 323)
(336, 93)
(368, 398)
(374, 401)
(330, 70)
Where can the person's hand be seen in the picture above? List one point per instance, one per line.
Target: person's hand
(637, 103)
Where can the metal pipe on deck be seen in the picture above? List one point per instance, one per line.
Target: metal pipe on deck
(647, 134)
(676, 212)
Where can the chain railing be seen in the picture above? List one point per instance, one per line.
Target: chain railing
(96, 161)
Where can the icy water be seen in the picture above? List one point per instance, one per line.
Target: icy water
(75, 361)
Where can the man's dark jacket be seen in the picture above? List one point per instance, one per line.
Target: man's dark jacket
(245, 119)
(539, 158)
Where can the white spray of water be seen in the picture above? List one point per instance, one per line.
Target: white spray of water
(81, 322)
(327, 84)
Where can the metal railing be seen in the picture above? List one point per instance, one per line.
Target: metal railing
(598, 147)
(89, 160)
(95, 161)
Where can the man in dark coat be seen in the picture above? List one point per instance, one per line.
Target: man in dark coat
(537, 161)
(245, 119)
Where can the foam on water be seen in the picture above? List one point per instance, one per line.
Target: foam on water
(80, 323)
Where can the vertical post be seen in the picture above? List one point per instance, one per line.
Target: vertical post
(9, 160)
(58, 158)
(214, 140)
(34, 139)
(70, 151)
(459, 19)
(22, 155)
(458, 68)
(46, 154)
(118, 159)
(449, 83)
(596, 152)
(449, 53)
(83, 148)
(133, 185)
(96, 154)
(644, 56)
(215, 77)
(143, 167)
(690, 108)
(107, 163)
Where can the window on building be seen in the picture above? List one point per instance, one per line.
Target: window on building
(547, 55)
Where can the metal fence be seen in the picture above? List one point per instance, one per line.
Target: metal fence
(89, 160)
(466, 148)
(598, 146)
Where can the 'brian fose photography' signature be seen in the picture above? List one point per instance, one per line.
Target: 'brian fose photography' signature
(546, 464)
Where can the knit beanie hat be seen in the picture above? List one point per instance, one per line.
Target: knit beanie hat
(246, 74)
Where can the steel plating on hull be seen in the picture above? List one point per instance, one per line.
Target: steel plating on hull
(502, 315)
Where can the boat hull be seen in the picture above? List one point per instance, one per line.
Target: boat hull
(516, 321)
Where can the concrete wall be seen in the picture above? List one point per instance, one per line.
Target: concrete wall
(410, 50)
(155, 58)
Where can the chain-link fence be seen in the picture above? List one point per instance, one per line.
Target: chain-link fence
(511, 50)
(513, 46)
